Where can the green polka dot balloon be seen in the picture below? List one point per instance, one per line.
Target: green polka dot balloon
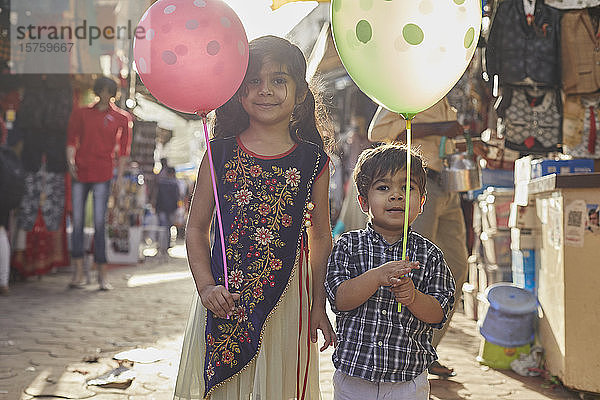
(406, 54)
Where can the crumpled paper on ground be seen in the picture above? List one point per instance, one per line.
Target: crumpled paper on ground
(118, 378)
(528, 364)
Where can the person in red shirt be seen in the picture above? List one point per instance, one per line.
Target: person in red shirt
(96, 137)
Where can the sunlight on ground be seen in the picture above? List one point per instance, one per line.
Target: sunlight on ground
(178, 251)
(151, 279)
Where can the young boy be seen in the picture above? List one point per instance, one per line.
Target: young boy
(383, 353)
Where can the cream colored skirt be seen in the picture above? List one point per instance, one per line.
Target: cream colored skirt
(272, 375)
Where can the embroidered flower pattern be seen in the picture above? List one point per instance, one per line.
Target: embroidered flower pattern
(227, 357)
(292, 177)
(264, 209)
(236, 278)
(230, 176)
(243, 197)
(255, 171)
(240, 314)
(210, 371)
(263, 236)
(276, 264)
(262, 202)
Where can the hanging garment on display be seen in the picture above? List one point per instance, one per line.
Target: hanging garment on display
(471, 97)
(42, 122)
(46, 191)
(580, 46)
(572, 4)
(581, 126)
(43, 249)
(530, 119)
(522, 49)
(529, 9)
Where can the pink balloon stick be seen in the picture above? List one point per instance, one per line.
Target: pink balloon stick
(214, 185)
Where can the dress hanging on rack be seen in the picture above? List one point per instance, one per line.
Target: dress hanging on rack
(581, 126)
(42, 249)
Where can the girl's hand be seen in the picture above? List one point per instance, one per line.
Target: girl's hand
(319, 320)
(404, 290)
(218, 300)
(386, 273)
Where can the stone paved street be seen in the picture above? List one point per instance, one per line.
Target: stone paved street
(53, 340)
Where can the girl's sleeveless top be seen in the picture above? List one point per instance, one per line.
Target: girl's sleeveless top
(264, 202)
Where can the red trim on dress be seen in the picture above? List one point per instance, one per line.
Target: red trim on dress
(262, 157)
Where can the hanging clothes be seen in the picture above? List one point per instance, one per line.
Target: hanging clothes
(530, 119)
(522, 49)
(42, 122)
(44, 191)
(572, 4)
(39, 250)
(580, 46)
(581, 126)
(471, 97)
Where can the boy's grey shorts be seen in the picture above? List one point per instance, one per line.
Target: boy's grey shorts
(346, 387)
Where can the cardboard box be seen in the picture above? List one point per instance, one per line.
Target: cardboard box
(544, 167)
(523, 169)
(523, 239)
(523, 269)
(522, 217)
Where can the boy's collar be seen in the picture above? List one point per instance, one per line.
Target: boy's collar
(379, 236)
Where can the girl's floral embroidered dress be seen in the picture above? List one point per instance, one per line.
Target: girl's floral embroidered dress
(264, 208)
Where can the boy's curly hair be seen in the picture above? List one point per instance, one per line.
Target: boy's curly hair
(387, 159)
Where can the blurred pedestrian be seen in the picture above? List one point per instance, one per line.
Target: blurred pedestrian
(93, 135)
(167, 202)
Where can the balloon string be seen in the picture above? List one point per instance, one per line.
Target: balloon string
(407, 197)
(214, 186)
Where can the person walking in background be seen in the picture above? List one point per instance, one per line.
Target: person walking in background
(384, 352)
(93, 135)
(351, 144)
(355, 139)
(258, 339)
(167, 202)
(442, 220)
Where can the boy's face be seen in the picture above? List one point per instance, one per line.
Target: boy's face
(385, 204)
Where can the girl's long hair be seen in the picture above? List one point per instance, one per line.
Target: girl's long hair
(231, 119)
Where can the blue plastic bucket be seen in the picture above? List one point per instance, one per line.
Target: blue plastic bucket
(509, 321)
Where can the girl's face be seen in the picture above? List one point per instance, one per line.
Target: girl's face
(271, 94)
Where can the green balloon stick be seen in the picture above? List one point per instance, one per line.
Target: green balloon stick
(408, 118)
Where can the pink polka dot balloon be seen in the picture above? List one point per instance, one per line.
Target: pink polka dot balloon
(191, 54)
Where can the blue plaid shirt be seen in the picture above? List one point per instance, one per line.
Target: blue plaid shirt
(375, 341)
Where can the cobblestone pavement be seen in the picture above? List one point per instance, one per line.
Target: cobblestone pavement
(54, 340)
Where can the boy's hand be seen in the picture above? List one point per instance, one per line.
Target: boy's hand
(404, 290)
(394, 269)
(218, 300)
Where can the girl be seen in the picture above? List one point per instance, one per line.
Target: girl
(254, 341)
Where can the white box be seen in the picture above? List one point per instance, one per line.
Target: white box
(523, 169)
(521, 239)
(522, 217)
